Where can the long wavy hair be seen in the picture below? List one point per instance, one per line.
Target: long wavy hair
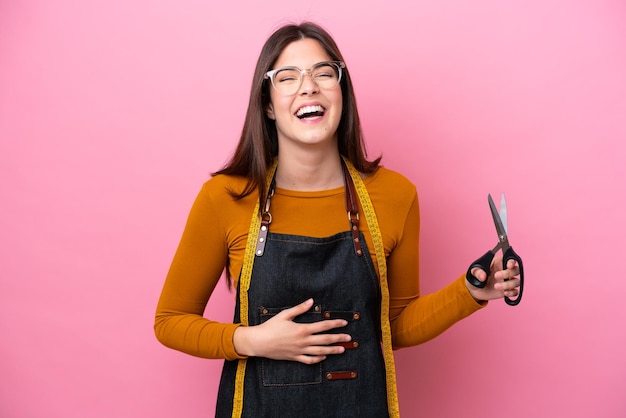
(258, 144)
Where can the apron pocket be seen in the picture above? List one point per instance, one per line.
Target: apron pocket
(290, 373)
(285, 372)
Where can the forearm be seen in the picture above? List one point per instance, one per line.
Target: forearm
(196, 335)
(428, 316)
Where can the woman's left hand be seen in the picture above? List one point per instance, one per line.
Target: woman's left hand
(500, 283)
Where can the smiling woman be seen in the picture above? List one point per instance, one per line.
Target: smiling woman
(307, 115)
(321, 299)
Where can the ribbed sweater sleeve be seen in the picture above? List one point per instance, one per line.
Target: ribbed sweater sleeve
(195, 270)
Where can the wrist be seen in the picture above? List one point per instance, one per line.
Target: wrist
(241, 341)
(471, 289)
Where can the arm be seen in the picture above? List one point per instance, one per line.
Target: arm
(196, 268)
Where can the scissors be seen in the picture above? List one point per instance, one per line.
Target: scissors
(484, 262)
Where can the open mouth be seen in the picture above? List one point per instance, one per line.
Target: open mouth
(310, 112)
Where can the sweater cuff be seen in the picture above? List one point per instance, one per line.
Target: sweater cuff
(229, 345)
(469, 303)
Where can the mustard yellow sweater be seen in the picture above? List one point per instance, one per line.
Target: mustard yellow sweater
(215, 238)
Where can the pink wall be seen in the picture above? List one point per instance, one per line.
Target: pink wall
(112, 114)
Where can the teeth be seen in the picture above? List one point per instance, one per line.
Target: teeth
(309, 109)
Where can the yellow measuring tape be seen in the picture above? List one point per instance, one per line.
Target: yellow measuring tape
(246, 275)
(244, 286)
(379, 250)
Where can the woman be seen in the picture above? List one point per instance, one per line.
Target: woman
(317, 291)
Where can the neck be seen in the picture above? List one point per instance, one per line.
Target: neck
(309, 172)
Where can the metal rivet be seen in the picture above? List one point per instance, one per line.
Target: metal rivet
(263, 228)
(261, 239)
(356, 240)
(355, 344)
(318, 308)
(359, 252)
(353, 374)
(260, 252)
(356, 316)
(329, 376)
(326, 314)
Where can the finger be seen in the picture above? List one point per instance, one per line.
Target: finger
(299, 309)
(511, 263)
(325, 340)
(326, 325)
(321, 351)
(507, 274)
(479, 274)
(507, 284)
(306, 359)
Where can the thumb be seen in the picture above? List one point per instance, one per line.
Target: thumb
(480, 274)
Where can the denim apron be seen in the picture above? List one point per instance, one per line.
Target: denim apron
(287, 270)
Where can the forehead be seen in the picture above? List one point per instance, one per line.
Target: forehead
(302, 53)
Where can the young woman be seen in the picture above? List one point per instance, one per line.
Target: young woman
(321, 245)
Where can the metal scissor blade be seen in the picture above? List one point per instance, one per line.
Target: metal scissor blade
(503, 214)
(502, 236)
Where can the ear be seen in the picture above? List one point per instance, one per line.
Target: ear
(270, 112)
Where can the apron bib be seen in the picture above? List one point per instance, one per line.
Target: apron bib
(343, 283)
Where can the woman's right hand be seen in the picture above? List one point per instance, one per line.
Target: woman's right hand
(280, 338)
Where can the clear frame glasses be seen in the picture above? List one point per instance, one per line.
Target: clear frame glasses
(288, 80)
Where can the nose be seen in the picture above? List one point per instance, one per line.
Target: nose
(309, 85)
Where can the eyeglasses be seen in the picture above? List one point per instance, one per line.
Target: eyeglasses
(288, 80)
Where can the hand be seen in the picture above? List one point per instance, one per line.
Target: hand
(497, 284)
(280, 338)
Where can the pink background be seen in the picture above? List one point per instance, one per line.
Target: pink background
(112, 114)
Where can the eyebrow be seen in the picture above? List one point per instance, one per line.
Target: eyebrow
(295, 66)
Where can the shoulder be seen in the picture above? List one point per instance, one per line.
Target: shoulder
(391, 186)
(218, 193)
(222, 183)
(222, 187)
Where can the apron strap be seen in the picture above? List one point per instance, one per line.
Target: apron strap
(379, 250)
(352, 206)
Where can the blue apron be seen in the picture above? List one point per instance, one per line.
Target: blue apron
(343, 284)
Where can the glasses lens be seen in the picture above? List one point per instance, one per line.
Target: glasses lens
(287, 80)
(325, 74)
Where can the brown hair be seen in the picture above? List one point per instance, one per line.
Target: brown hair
(258, 144)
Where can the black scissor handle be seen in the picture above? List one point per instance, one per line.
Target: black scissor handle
(509, 254)
(483, 263)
